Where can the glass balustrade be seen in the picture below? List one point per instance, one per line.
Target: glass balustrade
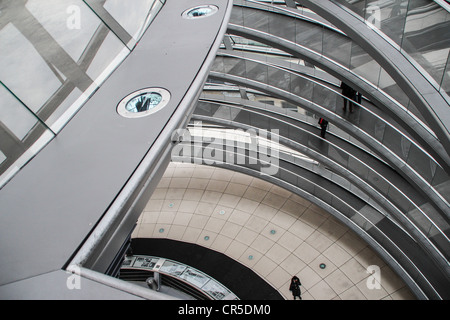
(401, 195)
(318, 38)
(314, 94)
(419, 28)
(55, 55)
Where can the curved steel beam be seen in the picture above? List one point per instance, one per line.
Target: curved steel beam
(87, 187)
(408, 121)
(321, 150)
(424, 95)
(354, 212)
(293, 88)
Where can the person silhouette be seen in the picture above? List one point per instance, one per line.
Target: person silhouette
(350, 93)
(323, 127)
(295, 287)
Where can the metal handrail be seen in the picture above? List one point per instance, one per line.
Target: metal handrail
(356, 228)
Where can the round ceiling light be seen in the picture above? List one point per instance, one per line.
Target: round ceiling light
(200, 12)
(143, 102)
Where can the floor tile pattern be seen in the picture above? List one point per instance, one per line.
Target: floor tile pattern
(270, 230)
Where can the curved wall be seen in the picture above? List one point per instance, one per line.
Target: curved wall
(395, 162)
(266, 228)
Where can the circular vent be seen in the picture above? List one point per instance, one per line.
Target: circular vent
(143, 102)
(200, 12)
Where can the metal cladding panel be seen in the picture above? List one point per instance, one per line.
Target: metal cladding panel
(58, 285)
(52, 204)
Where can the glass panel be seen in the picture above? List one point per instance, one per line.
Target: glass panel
(55, 54)
(357, 6)
(309, 35)
(2, 157)
(237, 15)
(363, 64)
(173, 268)
(259, 121)
(216, 290)
(131, 15)
(324, 97)
(223, 112)
(70, 23)
(279, 79)
(399, 199)
(144, 102)
(388, 85)
(445, 83)
(127, 19)
(421, 163)
(218, 64)
(234, 66)
(303, 88)
(358, 167)
(256, 20)
(24, 70)
(392, 140)
(107, 58)
(281, 27)
(338, 47)
(194, 277)
(421, 28)
(387, 16)
(203, 109)
(15, 116)
(256, 71)
(427, 30)
(338, 155)
(22, 135)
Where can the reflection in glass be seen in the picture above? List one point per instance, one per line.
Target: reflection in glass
(176, 270)
(199, 12)
(127, 19)
(144, 102)
(445, 84)
(130, 14)
(145, 262)
(421, 29)
(22, 135)
(172, 268)
(216, 290)
(55, 17)
(24, 70)
(55, 54)
(195, 277)
(15, 116)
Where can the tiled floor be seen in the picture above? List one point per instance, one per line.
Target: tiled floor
(272, 231)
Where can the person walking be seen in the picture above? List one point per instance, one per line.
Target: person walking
(295, 287)
(323, 127)
(350, 93)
